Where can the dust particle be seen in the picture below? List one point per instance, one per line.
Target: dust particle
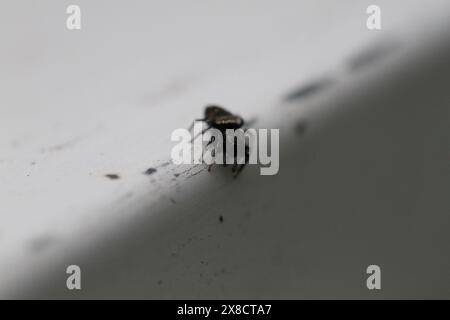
(41, 243)
(308, 89)
(150, 171)
(301, 128)
(112, 176)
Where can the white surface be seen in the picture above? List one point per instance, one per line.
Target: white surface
(75, 106)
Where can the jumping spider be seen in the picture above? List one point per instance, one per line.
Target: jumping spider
(218, 118)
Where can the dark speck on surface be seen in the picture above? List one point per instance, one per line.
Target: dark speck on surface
(165, 164)
(150, 171)
(308, 90)
(176, 175)
(301, 127)
(221, 219)
(41, 243)
(371, 55)
(112, 176)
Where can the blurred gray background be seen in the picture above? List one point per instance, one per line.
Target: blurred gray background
(364, 150)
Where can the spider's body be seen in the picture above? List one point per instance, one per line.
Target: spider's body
(221, 119)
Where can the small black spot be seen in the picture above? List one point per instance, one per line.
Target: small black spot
(172, 200)
(41, 243)
(150, 171)
(176, 175)
(33, 163)
(221, 219)
(308, 90)
(112, 176)
(162, 165)
(301, 127)
(160, 282)
(371, 55)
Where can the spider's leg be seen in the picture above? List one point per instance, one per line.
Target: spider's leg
(237, 169)
(211, 140)
(250, 122)
(193, 122)
(213, 153)
(241, 167)
(202, 132)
